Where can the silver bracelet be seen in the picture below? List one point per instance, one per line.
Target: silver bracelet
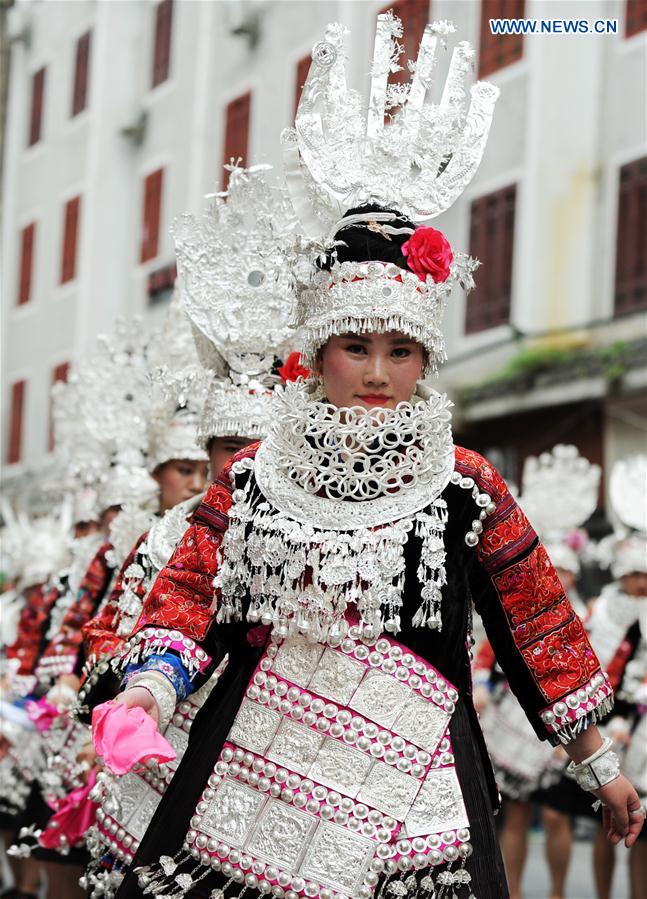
(162, 691)
(598, 769)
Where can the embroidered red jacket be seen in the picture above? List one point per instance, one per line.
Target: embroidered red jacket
(32, 625)
(92, 590)
(99, 634)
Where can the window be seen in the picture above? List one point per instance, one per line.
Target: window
(162, 43)
(635, 16)
(161, 283)
(237, 131)
(37, 96)
(59, 373)
(27, 238)
(499, 50)
(151, 215)
(491, 241)
(631, 239)
(303, 67)
(14, 445)
(70, 235)
(80, 92)
(414, 15)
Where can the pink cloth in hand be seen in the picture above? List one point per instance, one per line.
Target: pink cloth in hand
(75, 814)
(42, 713)
(123, 737)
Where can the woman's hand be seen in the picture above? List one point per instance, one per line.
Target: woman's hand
(620, 800)
(138, 696)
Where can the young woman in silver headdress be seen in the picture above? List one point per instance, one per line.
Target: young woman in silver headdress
(330, 569)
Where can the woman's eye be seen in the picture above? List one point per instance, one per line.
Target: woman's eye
(185, 471)
(401, 352)
(356, 348)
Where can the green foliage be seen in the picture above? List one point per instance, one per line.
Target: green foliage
(561, 363)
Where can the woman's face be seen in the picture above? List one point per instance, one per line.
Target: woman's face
(371, 370)
(567, 578)
(635, 584)
(179, 480)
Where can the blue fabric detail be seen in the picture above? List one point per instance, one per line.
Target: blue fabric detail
(170, 666)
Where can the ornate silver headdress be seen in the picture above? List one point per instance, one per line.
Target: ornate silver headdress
(47, 545)
(339, 156)
(237, 290)
(626, 550)
(179, 384)
(80, 458)
(559, 493)
(114, 400)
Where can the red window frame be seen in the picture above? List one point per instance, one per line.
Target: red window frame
(36, 111)
(27, 244)
(635, 17)
(151, 214)
(492, 242)
(81, 69)
(496, 51)
(60, 372)
(162, 42)
(16, 416)
(236, 144)
(70, 239)
(631, 239)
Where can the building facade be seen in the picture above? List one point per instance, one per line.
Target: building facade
(120, 116)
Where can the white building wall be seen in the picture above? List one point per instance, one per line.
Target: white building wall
(570, 114)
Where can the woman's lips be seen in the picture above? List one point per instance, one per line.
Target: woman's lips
(376, 398)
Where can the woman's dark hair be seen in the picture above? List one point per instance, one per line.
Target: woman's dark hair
(360, 244)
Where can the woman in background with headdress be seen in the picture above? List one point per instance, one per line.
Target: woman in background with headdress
(559, 493)
(245, 362)
(616, 613)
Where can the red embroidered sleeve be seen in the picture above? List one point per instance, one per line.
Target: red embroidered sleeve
(31, 627)
(100, 636)
(91, 592)
(538, 639)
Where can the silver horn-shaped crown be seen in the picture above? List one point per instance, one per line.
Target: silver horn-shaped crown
(405, 152)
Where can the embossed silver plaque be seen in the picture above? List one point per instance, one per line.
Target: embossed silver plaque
(179, 739)
(337, 676)
(232, 812)
(147, 801)
(281, 835)
(389, 790)
(380, 697)
(338, 858)
(340, 767)
(422, 722)
(439, 805)
(254, 726)
(297, 660)
(295, 746)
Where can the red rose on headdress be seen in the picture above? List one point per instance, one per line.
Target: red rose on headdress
(292, 369)
(428, 253)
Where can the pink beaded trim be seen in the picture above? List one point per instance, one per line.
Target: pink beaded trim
(584, 706)
(152, 640)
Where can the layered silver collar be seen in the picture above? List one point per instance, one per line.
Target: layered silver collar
(349, 468)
